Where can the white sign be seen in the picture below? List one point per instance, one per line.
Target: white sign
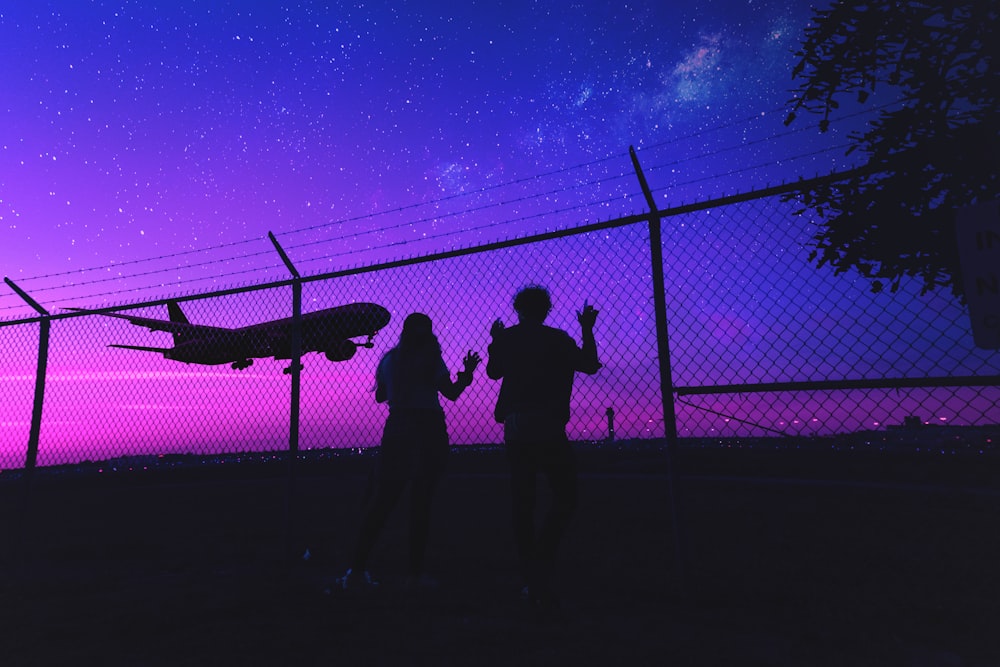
(978, 230)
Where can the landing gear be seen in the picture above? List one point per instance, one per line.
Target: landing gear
(240, 365)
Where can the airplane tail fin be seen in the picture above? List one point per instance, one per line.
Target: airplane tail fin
(177, 315)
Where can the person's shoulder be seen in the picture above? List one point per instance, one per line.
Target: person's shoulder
(513, 332)
(535, 331)
(555, 332)
(559, 340)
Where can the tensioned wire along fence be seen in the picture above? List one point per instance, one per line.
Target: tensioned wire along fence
(762, 344)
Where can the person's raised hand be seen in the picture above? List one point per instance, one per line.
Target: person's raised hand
(497, 327)
(471, 361)
(587, 316)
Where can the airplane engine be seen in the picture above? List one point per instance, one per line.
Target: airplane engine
(341, 350)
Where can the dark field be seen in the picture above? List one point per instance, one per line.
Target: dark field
(793, 558)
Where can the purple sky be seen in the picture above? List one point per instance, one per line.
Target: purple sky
(147, 148)
(135, 131)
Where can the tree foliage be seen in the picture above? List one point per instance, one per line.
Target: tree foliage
(933, 153)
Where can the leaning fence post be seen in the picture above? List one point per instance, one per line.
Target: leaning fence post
(31, 458)
(663, 354)
(43, 361)
(295, 370)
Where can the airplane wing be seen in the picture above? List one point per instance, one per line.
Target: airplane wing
(141, 348)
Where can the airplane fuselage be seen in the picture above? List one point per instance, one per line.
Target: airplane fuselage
(328, 331)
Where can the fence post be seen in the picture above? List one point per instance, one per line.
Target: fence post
(43, 362)
(295, 370)
(663, 354)
(31, 458)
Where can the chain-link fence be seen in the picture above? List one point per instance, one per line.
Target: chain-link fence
(762, 343)
(767, 344)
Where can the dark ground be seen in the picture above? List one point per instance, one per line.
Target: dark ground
(794, 558)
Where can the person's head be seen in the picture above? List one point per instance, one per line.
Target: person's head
(417, 331)
(532, 304)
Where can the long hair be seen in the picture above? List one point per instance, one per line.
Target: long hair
(418, 351)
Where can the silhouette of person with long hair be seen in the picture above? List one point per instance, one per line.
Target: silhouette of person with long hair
(414, 443)
(537, 364)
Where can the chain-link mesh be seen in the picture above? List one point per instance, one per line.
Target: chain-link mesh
(17, 389)
(748, 309)
(761, 341)
(463, 296)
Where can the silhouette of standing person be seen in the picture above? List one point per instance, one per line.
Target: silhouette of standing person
(414, 443)
(537, 364)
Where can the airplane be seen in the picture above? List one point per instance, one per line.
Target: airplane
(328, 331)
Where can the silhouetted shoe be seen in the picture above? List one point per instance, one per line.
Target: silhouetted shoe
(422, 582)
(356, 580)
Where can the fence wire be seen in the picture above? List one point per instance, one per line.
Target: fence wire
(762, 343)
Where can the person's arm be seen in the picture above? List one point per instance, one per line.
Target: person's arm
(452, 390)
(494, 361)
(588, 362)
(381, 391)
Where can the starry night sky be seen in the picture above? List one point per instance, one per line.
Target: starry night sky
(148, 147)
